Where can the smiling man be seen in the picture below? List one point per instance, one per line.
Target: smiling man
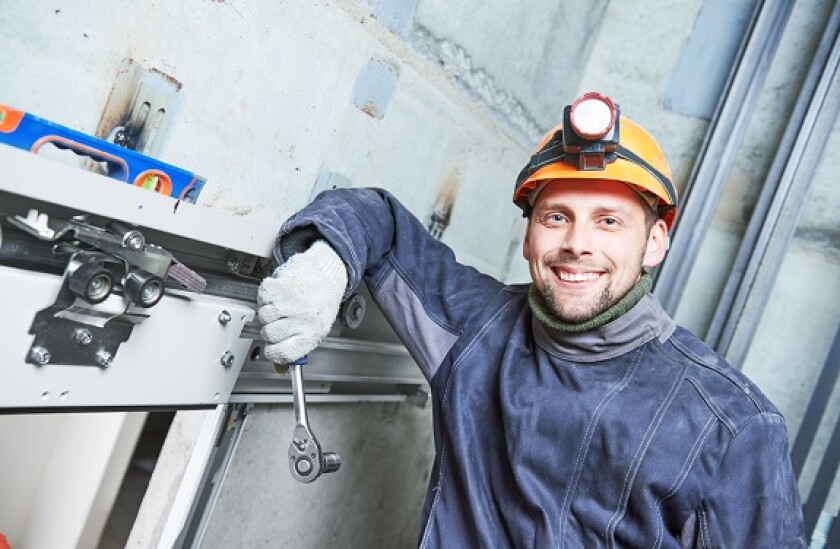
(570, 412)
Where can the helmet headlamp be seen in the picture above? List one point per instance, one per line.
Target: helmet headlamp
(592, 115)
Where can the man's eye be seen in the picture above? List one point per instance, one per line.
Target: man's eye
(554, 219)
(610, 221)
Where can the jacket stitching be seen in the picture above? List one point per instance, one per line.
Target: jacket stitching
(469, 348)
(681, 476)
(479, 335)
(587, 438)
(713, 367)
(405, 278)
(728, 423)
(428, 529)
(633, 470)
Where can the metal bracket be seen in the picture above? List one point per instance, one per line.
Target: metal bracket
(117, 240)
(76, 329)
(149, 113)
(71, 331)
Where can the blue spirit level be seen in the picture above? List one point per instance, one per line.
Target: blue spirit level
(25, 131)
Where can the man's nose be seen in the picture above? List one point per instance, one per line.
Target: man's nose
(577, 239)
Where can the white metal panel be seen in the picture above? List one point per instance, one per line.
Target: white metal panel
(172, 358)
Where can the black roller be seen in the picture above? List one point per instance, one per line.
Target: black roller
(91, 282)
(143, 288)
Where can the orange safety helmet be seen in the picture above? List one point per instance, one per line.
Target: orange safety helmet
(618, 149)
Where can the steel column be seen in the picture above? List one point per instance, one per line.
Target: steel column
(770, 235)
(816, 407)
(774, 189)
(720, 147)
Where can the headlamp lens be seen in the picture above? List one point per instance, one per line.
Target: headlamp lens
(593, 115)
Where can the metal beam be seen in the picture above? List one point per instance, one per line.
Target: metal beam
(770, 235)
(719, 150)
(816, 407)
(774, 189)
(822, 482)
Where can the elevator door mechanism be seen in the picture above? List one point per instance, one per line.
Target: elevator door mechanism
(83, 327)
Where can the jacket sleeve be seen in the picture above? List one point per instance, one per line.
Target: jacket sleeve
(755, 501)
(426, 295)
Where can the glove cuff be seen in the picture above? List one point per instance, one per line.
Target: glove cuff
(330, 265)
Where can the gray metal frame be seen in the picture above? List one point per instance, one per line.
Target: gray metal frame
(719, 150)
(780, 204)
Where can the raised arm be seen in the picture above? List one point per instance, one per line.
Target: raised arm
(427, 296)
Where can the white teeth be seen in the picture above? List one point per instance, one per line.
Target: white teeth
(577, 277)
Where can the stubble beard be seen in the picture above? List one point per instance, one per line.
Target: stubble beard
(602, 303)
(571, 314)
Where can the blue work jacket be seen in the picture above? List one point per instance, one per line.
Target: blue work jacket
(634, 434)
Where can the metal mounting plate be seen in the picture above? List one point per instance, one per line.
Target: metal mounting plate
(172, 359)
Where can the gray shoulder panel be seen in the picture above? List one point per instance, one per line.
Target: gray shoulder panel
(425, 339)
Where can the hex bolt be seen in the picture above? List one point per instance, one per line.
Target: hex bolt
(353, 311)
(103, 358)
(227, 359)
(39, 355)
(224, 317)
(82, 336)
(232, 263)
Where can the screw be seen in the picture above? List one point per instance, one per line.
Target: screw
(103, 358)
(134, 240)
(122, 139)
(227, 359)
(224, 317)
(39, 355)
(356, 311)
(82, 336)
(232, 263)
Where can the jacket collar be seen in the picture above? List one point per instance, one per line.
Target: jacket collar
(647, 320)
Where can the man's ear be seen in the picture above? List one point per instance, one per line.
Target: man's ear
(526, 248)
(657, 244)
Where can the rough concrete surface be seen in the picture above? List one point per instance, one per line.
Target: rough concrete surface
(374, 500)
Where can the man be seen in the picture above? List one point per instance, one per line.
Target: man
(571, 412)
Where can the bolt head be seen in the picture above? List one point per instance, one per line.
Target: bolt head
(303, 466)
(82, 336)
(227, 359)
(39, 355)
(135, 241)
(232, 263)
(103, 358)
(224, 317)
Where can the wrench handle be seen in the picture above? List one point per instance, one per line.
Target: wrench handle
(299, 394)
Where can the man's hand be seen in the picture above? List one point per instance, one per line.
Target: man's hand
(299, 303)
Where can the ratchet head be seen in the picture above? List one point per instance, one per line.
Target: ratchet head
(306, 460)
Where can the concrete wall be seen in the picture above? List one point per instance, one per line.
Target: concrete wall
(372, 501)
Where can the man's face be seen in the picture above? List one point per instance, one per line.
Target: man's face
(586, 244)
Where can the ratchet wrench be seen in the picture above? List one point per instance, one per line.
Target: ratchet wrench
(306, 459)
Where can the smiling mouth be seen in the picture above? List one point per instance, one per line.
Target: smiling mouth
(567, 276)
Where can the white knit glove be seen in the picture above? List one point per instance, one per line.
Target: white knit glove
(299, 303)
